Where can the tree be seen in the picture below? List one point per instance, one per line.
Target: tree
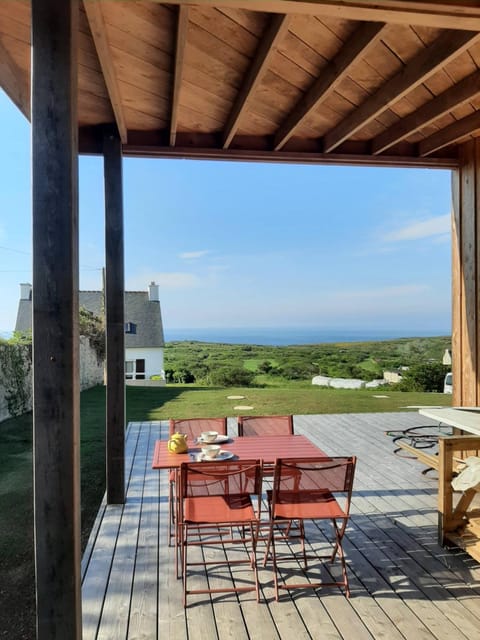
(428, 376)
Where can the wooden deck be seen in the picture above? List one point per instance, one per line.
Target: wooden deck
(403, 584)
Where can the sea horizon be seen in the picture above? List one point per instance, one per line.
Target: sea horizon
(283, 336)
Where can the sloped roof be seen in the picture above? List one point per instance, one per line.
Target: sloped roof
(24, 316)
(144, 313)
(139, 310)
(395, 82)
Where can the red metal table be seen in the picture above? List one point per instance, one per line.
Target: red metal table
(266, 448)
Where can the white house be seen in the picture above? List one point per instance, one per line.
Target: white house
(144, 341)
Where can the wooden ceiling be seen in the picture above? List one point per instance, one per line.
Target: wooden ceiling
(395, 82)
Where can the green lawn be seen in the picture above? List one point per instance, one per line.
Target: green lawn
(175, 401)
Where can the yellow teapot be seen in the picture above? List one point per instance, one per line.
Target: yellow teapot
(178, 443)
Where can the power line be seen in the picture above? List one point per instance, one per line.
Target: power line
(85, 267)
(27, 253)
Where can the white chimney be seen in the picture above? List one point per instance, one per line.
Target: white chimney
(25, 291)
(154, 292)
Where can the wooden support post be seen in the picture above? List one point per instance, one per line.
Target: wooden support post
(114, 314)
(465, 277)
(56, 388)
(445, 492)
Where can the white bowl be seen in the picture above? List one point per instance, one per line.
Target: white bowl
(209, 436)
(211, 450)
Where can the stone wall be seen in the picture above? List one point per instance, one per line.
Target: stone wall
(91, 374)
(91, 369)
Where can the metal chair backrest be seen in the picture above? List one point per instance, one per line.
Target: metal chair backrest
(193, 427)
(265, 425)
(314, 479)
(221, 478)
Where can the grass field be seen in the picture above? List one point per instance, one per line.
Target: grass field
(177, 401)
(16, 483)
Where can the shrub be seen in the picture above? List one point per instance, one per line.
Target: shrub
(231, 377)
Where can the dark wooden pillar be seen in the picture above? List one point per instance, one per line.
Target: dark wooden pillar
(56, 388)
(466, 277)
(114, 314)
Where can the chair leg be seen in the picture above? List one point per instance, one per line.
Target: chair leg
(254, 533)
(180, 537)
(338, 536)
(271, 545)
(183, 553)
(339, 548)
(171, 512)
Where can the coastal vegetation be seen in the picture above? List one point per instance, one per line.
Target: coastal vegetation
(215, 364)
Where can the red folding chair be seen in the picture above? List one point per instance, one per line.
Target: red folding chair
(192, 428)
(265, 425)
(215, 509)
(309, 489)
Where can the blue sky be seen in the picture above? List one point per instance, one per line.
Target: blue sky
(251, 245)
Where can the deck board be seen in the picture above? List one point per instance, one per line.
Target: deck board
(403, 584)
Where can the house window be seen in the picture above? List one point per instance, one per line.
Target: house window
(130, 327)
(140, 369)
(135, 369)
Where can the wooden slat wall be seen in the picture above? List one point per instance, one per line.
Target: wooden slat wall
(465, 270)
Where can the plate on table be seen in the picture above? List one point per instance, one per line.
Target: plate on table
(223, 455)
(218, 440)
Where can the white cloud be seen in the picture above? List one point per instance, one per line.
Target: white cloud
(193, 255)
(433, 227)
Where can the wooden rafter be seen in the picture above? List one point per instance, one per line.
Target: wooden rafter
(268, 45)
(428, 13)
(181, 41)
(96, 21)
(453, 97)
(14, 82)
(330, 77)
(447, 46)
(453, 133)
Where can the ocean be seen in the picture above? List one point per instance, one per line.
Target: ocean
(274, 336)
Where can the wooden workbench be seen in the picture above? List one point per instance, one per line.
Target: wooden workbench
(458, 514)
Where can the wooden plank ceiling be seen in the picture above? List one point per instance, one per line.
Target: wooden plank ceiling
(395, 82)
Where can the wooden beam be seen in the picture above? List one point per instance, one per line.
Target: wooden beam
(182, 28)
(330, 77)
(96, 21)
(291, 157)
(14, 82)
(267, 47)
(453, 97)
(114, 317)
(453, 133)
(428, 13)
(465, 289)
(56, 384)
(447, 46)
(428, 459)
(456, 301)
